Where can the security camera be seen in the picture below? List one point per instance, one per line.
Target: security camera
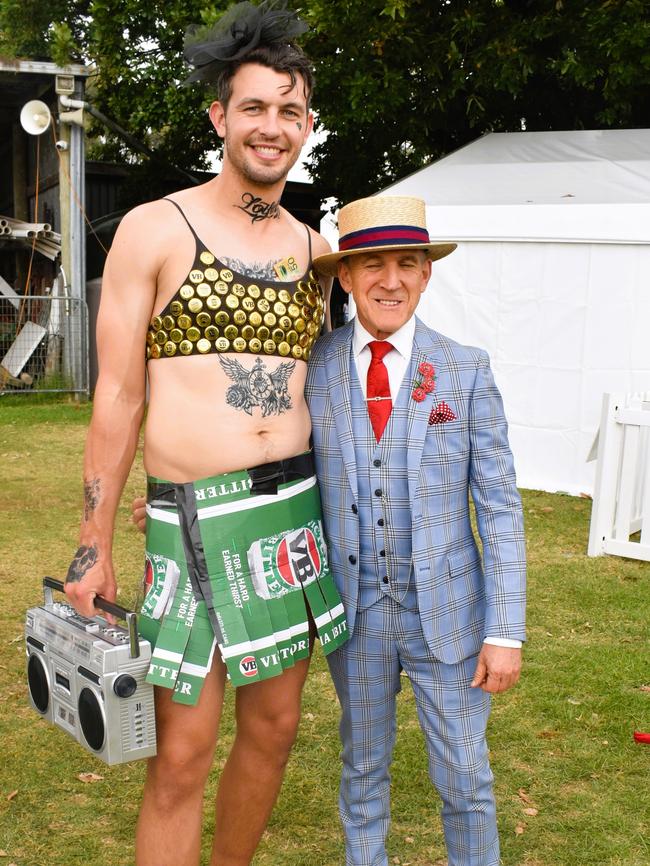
(61, 145)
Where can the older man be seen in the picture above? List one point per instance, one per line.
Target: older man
(407, 425)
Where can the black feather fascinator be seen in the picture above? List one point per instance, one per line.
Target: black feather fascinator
(240, 29)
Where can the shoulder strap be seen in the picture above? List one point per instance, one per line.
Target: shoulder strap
(309, 242)
(182, 213)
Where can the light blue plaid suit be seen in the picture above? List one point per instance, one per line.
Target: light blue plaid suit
(460, 600)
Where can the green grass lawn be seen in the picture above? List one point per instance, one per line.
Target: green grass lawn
(573, 788)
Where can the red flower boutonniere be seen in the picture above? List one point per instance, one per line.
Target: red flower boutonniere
(425, 384)
(441, 413)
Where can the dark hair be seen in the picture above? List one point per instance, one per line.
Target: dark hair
(281, 57)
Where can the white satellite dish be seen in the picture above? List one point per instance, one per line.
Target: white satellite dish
(35, 117)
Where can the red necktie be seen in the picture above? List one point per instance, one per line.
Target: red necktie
(378, 390)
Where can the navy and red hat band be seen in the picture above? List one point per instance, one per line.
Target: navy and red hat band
(384, 236)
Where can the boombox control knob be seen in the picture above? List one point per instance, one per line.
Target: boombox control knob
(124, 686)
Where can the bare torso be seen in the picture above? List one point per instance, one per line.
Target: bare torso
(191, 430)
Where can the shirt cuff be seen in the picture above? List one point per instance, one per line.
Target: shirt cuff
(503, 641)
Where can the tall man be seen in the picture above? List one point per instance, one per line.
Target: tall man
(215, 283)
(406, 425)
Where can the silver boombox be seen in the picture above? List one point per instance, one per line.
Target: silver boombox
(87, 676)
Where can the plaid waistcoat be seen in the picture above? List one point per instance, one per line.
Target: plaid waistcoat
(384, 504)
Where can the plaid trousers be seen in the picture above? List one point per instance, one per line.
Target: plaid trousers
(366, 672)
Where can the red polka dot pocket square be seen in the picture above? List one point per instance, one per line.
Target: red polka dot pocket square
(441, 413)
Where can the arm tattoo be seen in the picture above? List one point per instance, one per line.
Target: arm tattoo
(256, 270)
(84, 559)
(92, 491)
(269, 391)
(258, 209)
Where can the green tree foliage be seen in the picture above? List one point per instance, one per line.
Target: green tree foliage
(402, 82)
(399, 82)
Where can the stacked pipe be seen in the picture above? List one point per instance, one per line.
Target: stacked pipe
(39, 235)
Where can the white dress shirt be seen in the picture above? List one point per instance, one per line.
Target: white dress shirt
(397, 362)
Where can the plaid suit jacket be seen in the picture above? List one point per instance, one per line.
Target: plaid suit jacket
(463, 595)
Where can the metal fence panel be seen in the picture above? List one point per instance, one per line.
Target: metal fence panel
(44, 345)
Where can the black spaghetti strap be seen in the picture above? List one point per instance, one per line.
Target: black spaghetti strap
(309, 242)
(189, 224)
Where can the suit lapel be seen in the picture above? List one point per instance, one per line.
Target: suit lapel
(425, 349)
(337, 369)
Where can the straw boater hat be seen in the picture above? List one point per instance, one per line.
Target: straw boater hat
(382, 223)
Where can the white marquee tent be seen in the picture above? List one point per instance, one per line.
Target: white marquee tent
(552, 277)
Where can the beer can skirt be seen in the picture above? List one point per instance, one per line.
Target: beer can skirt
(238, 571)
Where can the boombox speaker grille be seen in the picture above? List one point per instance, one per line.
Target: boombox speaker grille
(91, 719)
(39, 687)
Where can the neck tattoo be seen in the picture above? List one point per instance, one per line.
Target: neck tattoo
(258, 209)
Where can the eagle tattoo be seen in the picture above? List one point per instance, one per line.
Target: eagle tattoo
(257, 387)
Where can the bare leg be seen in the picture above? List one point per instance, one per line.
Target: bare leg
(169, 826)
(268, 714)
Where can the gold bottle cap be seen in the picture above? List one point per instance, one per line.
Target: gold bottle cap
(312, 328)
(239, 344)
(186, 292)
(270, 319)
(176, 335)
(168, 322)
(150, 338)
(169, 348)
(213, 302)
(231, 332)
(248, 304)
(284, 296)
(226, 275)
(175, 308)
(206, 257)
(222, 318)
(193, 333)
(277, 335)
(155, 351)
(203, 320)
(221, 287)
(185, 347)
(292, 338)
(270, 294)
(279, 308)
(263, 305)
(254, 291)
(306, 311)
(300, 325)
(196, 276)
(293, 310)
(304, 340)
(238, 289)
(254, 345)
(269, 347)
(296, 351)
(203, 345)
(248, 332)
(184, 322)
(211, 332)
(255, 319)
(161, 337)
(311, 299)
(284, 349)
(232, 301)
(263, 333)
(239, 317)
(222, 344)
(211, 274)
(299, 297)
(203, 290)
(285, 322)
(156, 323)
(195, 305)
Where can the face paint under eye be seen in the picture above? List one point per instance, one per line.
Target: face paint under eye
(299, 125)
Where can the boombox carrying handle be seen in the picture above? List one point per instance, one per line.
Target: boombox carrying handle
(49, 583)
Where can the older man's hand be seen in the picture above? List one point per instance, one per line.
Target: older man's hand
(497, 669)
